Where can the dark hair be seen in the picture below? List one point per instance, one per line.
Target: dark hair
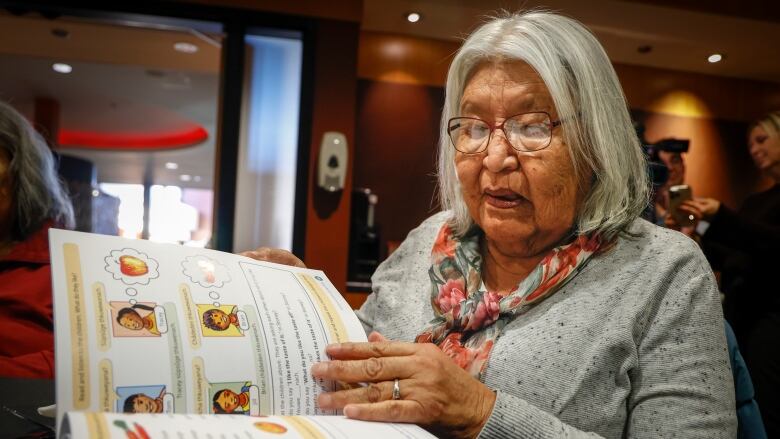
(129, 406)
(218, 408)
(39, 193)
(208, 319)
(131, 309)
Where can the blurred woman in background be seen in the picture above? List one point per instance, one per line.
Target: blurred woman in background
(32, 199)
(742, 245)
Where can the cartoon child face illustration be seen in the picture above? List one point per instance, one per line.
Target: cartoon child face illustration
(218, 320)
(140, 403)
(227, 401)
(129, 318)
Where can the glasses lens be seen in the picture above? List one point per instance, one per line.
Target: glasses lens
(529, 132)
(468, 135)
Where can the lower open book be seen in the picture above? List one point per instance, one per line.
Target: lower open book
(156, 339)
(91, 425)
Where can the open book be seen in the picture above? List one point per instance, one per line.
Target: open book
(191, 335)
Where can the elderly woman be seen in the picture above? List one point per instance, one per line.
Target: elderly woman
(743, 245)
(540, 304)
(31, 200)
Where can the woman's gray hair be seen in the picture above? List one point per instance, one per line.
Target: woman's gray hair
(39, 194)
(589, 100)
(769, 122)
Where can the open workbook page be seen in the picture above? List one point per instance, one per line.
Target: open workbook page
(110, 425)
(143, 327)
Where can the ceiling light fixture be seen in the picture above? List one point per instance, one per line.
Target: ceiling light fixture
(715, 57)
(171, 165)
(413, 17)
(62, 67)
(184, 47)
(644, 49)
(60, 33)
(185, 177)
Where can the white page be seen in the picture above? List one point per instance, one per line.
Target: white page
(173, 354)
(83, 425)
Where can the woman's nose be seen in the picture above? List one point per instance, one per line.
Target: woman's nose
(500, 156)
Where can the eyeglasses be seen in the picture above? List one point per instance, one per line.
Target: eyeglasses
(525, 132)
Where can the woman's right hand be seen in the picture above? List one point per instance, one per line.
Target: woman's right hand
(275, 255)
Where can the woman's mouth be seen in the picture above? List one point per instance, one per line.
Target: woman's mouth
(503, 198)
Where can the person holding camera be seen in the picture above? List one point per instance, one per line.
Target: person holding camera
(741, 245)
(667, 201)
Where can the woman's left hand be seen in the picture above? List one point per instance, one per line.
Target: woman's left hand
(702, 208)
(435, 392)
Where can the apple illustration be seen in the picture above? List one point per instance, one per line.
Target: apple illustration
(132, 266)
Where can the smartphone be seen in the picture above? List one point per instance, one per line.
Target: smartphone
(678, 194)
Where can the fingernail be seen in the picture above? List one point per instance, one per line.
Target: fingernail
(350, 411)
(319, 368)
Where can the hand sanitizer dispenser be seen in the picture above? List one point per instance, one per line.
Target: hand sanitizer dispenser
(332, 169)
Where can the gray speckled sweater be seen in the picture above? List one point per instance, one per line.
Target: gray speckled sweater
(634, 346)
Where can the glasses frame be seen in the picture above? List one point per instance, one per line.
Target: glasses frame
(493, 128)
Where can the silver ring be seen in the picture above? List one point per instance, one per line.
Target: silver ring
(396, 390)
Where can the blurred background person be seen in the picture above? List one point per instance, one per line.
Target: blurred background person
(749, 420)
(742, 245)
(32, 200)
(675, 165)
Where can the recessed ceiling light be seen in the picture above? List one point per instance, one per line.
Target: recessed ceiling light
(196, 178)
(185, 177)
(171, 165)
(715, 57)
(184, 47)
(644, 49)
(60, 32)
(413, 17)
(60, 67)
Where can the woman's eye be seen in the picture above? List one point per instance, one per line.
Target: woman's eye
(477, 131)
(534, 130)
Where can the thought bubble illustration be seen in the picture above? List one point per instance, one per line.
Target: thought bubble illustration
(131, 266)
(205, 271)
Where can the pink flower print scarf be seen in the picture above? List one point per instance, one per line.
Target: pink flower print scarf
(468, 317)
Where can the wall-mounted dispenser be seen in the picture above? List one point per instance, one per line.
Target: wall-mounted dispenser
(332, 169)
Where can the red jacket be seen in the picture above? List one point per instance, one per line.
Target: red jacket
(26, 327)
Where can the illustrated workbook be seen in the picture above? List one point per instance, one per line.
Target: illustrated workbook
(189, 335)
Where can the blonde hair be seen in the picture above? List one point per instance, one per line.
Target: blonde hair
(586, 94)
(769, 122)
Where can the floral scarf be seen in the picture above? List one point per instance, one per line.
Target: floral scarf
(468, 317)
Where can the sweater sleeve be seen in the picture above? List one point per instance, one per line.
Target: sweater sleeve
(391, 280)
(682, 384)
(514, 417)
